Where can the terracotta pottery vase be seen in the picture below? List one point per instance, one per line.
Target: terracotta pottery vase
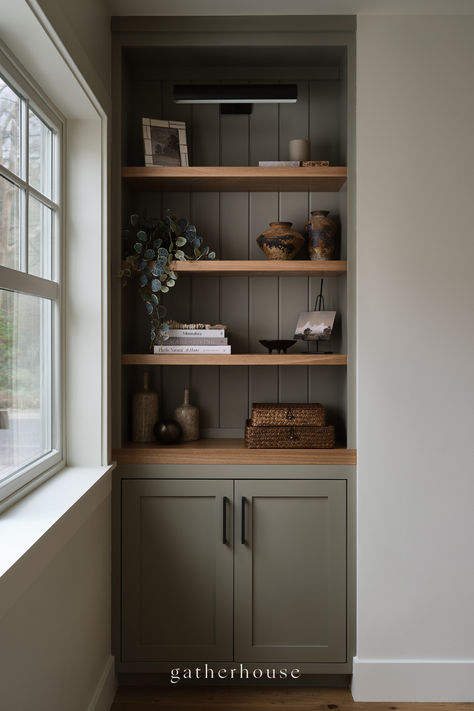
(280, 241)
(323, 236)
(188, 417)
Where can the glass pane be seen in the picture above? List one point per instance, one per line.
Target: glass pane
(40, 161)
(10, 125)
(9, 224)
(39, 239)
(25, 380)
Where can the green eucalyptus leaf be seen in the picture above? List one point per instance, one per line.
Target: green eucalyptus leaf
(154, 299)
(149, 307)
(173, 274)
(135, 220)
(179, 254)
(211, 255)
(181, 241)
(197, 252)
(164, 289)
(163, 277)
(205, 251)
(141, 235)
(170, 282)
(138, 247)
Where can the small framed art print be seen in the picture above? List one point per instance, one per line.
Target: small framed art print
(165, 142)
(315, 325)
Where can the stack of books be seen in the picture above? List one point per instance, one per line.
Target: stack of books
(195, 340)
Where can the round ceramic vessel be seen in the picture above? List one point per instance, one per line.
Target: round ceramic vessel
(323, 236)
(280, 241)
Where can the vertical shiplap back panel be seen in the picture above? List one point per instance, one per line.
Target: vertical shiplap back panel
(324, 110)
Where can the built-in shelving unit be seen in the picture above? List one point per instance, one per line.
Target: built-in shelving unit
(228, 451)
(234, 179)
(234, 359)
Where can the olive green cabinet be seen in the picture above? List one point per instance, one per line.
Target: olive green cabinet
(176, 571)
(273, 591)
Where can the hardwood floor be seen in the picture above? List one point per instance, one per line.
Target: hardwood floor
(237, 698)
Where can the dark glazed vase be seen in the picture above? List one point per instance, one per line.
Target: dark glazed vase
(323, 236)
(280, 241)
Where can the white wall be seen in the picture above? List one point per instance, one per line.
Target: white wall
(415, 254)
(55, 640)
(83, 26)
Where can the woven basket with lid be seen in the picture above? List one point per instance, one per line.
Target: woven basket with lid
(267, 414)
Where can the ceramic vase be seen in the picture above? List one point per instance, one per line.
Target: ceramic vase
(144, 412)
(280, 241)
(323, 236)
(188, 417)
(168, 432)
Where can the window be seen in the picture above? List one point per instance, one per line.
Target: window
(30, 437)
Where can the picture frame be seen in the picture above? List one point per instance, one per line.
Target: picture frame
(165, 142)
(315, 325)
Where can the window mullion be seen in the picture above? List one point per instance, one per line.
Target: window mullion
(24, 199)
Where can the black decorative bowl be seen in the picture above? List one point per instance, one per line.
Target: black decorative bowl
(278, 346)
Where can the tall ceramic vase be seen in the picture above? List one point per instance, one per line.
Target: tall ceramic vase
(188, 417)
(323, 236)
(144, 412)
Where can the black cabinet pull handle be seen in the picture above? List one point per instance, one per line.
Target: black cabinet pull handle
(244, 502)
(224, 520)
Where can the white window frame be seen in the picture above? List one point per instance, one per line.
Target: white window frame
(40, 469)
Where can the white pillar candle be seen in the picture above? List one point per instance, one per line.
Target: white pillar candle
(299, 149)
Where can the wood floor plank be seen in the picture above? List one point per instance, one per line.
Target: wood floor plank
(237, 698)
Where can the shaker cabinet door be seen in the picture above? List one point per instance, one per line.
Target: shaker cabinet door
(290, 571)
(177, 570)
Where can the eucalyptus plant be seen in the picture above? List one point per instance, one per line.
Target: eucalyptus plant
(149, 248)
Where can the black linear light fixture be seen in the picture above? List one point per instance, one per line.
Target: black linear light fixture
(235, 93)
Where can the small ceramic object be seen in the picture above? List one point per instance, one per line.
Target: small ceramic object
(168, 432)
(144, 412)
(323, 236)
(187, 417)
(280, 241)
(299, 149)
(278, 346)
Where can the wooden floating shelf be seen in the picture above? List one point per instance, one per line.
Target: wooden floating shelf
(228, 451)
(271, 267)
(234, 179)
(234, 359)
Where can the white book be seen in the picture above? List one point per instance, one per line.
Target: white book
(192, 349)
(279, 163)
(195, 341)
(196, 332)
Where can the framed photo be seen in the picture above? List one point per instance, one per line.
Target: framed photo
(165, 142)
(315, 325)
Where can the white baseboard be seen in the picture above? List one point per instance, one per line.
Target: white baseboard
(106, 688)
(413, 680)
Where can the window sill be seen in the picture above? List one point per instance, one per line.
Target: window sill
(33, 530)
